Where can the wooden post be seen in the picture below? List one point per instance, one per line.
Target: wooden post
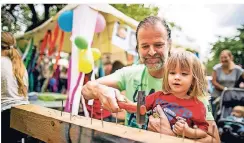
(49, 126)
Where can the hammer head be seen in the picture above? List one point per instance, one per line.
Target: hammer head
(140, 119)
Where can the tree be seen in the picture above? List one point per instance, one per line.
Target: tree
(141, 11)
(137, 11)
(234, 44)
(25, 17)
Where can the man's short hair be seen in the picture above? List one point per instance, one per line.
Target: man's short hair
(107, 63)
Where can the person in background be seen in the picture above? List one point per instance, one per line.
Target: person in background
(14, 86)
(240, 82)
(63, 82)
(44, 70)
(117, 65)
(107, 66)
(225, 74)
(237, 118)
(237, 114)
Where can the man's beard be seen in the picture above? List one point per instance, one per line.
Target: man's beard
(156, 66)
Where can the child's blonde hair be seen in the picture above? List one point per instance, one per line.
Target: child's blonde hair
(8, 44)
(189, 61)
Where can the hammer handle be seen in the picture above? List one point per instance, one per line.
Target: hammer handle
(130, 107)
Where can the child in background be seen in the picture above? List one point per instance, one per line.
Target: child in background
(184, 84)
(237, 114)
(236, 125)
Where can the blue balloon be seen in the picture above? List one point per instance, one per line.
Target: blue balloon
(65, 21)
(52, 81)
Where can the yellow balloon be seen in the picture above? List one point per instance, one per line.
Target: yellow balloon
(96, 53)
(85, 64)
(82, 53)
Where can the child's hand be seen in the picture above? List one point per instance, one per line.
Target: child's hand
(179, 126)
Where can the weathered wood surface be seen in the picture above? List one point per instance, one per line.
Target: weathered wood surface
(49, 126)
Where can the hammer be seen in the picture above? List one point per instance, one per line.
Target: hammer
(140, 118)
(136, 108)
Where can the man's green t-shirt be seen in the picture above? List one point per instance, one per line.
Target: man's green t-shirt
(135, 78)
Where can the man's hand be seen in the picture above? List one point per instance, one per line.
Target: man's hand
(89, 90)
(108, 96)
(154, 123)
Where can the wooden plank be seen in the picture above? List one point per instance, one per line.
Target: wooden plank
(49, 126)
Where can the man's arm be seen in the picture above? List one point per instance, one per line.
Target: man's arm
(213, 134)
(91, 89)
(106, 90)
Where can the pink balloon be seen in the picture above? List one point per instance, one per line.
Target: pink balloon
(100, 24)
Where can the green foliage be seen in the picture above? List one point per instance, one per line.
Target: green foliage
(25, 17)
(137, 11)
(234, 44)
(141, 11)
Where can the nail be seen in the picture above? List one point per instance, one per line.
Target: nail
(160, 126)
(116, 118)
(91, 114)
(183, 135)
(102, 114)
(213, 128)
(70, 111)
(62, 108)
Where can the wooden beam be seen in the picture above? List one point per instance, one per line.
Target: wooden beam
(49, 126)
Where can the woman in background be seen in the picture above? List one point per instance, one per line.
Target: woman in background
(225, 75)
(14, 83)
